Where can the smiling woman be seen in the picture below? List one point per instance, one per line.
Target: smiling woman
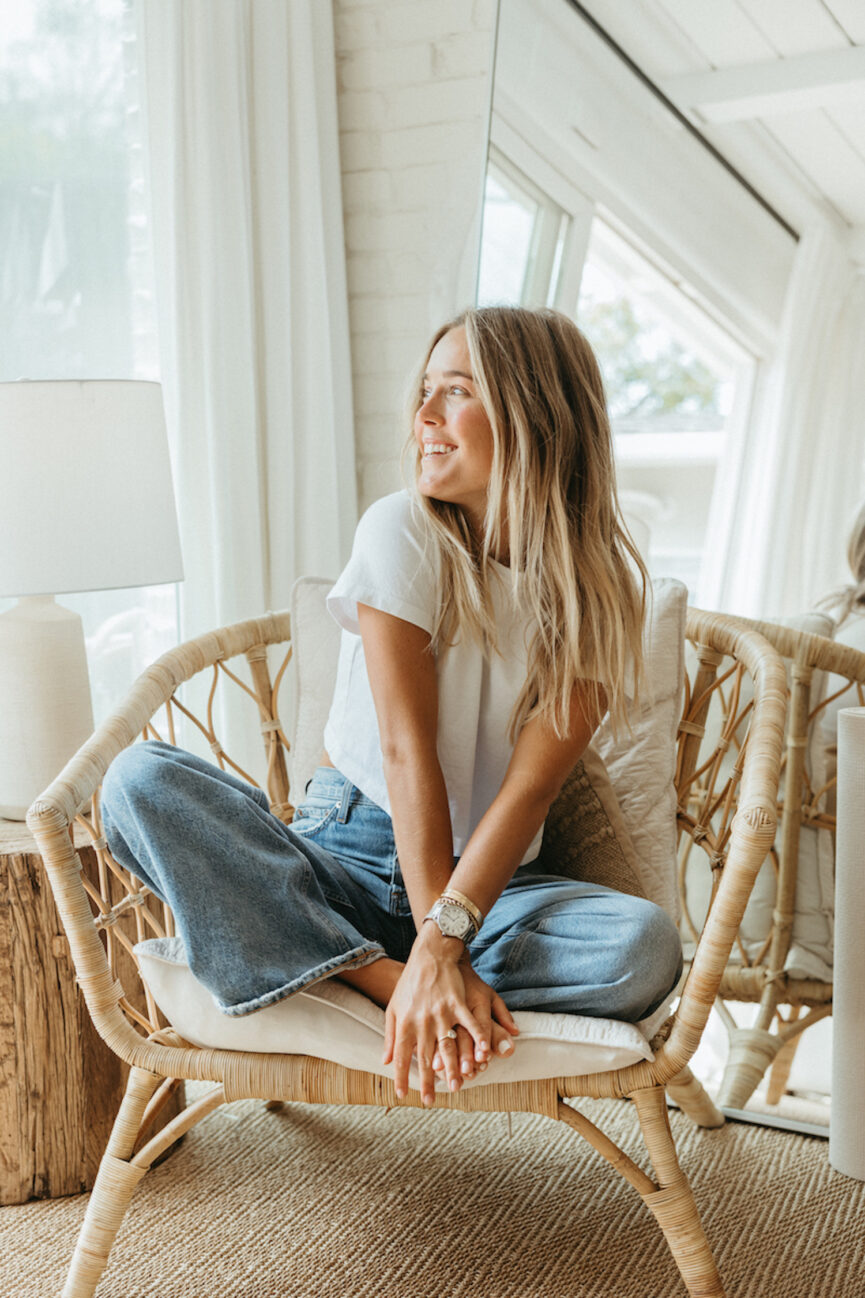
(466, 691)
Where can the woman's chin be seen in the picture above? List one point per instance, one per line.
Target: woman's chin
(433, 490)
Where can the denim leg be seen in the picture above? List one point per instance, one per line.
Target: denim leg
(577, 948)
(250, 898)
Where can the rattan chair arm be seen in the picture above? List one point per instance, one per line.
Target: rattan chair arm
(52, 814)
(806, 647)
(82, 775)
(752, 831)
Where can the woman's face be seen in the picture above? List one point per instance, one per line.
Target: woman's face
(452, 430)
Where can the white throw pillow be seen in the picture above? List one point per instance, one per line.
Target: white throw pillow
(642, 764)
(330, 1020)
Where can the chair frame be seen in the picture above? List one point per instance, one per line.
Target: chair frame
(764, 981)
(735, 828)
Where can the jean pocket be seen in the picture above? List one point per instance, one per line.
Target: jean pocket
(313, 815)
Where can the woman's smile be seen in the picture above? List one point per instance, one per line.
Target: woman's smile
(452, 429)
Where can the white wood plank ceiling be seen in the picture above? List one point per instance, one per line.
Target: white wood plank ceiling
(776, 86)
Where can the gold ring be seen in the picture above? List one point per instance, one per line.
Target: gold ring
(450, 1035)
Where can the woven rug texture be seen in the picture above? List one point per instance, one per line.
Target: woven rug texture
(311, 1202)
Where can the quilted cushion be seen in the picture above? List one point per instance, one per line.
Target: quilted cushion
(585, 835)
(332, 1021)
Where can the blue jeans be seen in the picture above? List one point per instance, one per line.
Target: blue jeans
(264, 909)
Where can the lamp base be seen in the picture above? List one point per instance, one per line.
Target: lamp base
(45, 708)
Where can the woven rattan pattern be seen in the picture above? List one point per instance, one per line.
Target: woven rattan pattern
(735, 825)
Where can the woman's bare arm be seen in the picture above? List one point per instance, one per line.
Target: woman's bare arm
(431, 995)
(540, 763)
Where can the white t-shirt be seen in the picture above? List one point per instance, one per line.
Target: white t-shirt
(389, 570)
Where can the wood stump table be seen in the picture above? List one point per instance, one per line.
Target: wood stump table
(60, 1085)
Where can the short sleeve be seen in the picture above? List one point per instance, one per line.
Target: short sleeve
(392, 568)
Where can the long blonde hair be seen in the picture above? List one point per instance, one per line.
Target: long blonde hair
(851, 599)
(574, 570)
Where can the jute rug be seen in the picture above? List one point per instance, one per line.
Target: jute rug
(312, 1202)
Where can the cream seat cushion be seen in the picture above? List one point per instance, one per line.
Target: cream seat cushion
(333, 1021)
(614, 823)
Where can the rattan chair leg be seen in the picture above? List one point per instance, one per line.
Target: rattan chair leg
(779, 1074)
(673, 1203)
(687, 1091)
(112, 1190)
(109, 1199)
(752, 1051)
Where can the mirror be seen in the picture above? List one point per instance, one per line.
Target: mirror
(599, 202)
(602, 201)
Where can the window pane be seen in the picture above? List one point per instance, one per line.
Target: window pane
(670, 374)
(76, 297)
(509, 220)
(650, 370)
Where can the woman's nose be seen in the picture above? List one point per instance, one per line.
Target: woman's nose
(429, 412)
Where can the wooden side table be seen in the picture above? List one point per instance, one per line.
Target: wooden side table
(60, 1085)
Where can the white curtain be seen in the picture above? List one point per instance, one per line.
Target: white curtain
(803, 472)
(252, 310)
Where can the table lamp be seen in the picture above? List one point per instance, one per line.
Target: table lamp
(86, 503)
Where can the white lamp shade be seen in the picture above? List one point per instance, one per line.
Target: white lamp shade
(87, 496)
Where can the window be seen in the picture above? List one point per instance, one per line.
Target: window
(522, 240)
(76, 296)
(676, 382)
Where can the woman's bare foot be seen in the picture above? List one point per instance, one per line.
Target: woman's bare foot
(376, 980)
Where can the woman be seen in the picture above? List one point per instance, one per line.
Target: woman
(490, 614)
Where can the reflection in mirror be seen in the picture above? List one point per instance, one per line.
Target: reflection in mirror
(600, 203)
(568, 222)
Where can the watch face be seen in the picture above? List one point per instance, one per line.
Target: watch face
(453, 921)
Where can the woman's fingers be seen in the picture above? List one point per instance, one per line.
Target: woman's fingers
(466, 1052)
(478, 1027)
(503, 1014)
(449, 1053)
(402, 1056)
(501, 1041)
(426, 1048)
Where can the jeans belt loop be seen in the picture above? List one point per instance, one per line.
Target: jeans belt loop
(345, 802)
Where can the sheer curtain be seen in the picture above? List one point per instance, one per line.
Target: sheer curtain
(75, 271)
(244, 182)
(803, 476)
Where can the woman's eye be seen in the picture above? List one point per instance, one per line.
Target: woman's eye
(459, 391)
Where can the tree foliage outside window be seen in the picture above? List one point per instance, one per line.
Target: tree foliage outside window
(647, 373)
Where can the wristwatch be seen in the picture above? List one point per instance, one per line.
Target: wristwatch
(454, 920)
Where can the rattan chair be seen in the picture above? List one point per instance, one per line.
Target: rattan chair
(764, 972)
(106, 911)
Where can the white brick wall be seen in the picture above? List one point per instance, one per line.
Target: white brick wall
(413, 79)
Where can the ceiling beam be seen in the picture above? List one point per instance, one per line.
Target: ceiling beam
(763, 89)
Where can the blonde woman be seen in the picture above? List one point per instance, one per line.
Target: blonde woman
(490, 617)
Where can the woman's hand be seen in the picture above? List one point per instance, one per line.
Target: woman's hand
(495, 1019)
(438, 991)
(429, 1000)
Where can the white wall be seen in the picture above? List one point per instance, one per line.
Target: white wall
(414, 86)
